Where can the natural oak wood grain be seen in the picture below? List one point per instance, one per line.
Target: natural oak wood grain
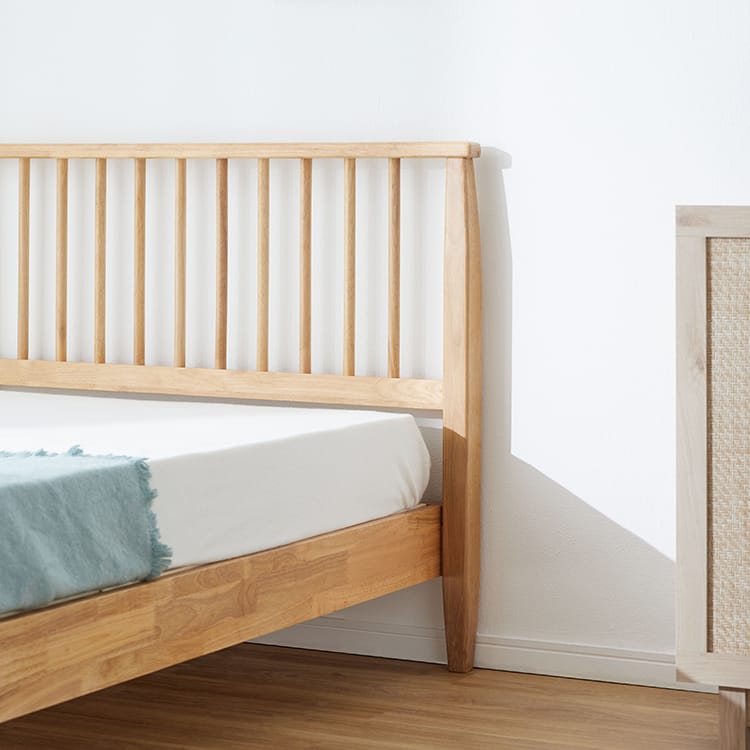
(732, 719)
(139, 280)
(462, 413)
(61, 262)
(261, 356)
(221, 264)
(100, 260)
(400, 393)
(241, 150)
(394, 268)
(180, 261)
(305, 265)
(23, 258)
(251, 697)
(68, 650)
(350, 261)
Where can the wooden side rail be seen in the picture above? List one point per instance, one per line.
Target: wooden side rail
(71, 649)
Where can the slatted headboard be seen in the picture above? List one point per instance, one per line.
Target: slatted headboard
(457, 395)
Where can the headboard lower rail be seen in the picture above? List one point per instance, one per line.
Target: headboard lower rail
(397, 393)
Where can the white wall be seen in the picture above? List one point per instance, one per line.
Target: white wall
(611, 113)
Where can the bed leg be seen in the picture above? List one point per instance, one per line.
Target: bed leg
(460, 604)
(462, 414)
(733, 719)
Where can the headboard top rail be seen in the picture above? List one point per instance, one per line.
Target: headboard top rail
(404, 150)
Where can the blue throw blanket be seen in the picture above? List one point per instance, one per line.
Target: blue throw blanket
(71, 523)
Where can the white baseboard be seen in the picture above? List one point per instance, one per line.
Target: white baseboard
(426, 644)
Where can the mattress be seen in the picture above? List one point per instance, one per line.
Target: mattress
(233, 479)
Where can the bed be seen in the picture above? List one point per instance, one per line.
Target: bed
(248, 573)
(237, 478)
(713, 458)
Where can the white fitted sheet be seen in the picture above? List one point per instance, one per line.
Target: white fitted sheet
(237, 478)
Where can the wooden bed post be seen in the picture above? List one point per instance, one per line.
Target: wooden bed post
(462, 389)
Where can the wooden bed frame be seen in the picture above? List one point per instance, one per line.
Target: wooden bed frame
(70, 649)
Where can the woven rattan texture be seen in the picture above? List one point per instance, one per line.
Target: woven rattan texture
(728, 297)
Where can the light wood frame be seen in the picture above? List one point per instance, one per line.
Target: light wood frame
(74, 648)
(695, 661)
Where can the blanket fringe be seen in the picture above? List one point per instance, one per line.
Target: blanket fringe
(161, 554)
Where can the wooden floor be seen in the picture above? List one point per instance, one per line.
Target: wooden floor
(267, 697)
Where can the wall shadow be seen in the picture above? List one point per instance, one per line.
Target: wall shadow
(554, 569)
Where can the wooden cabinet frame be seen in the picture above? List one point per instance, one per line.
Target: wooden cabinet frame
(697, 660)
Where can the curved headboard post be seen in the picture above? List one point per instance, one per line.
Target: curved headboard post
(462, 409)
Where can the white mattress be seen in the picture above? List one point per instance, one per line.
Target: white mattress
(236, 478)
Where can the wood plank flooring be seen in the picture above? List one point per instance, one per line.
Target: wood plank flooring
(286, 699)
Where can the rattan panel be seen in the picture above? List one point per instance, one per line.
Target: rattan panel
(728, 297)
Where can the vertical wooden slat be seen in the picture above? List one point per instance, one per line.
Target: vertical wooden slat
(61, 263)
(100, 261)
(139, 296)
(23, 258)
(180, 258)
(221, 264)
(305, 266)
(350, 174)
(394, 268)
(261, 359)
(462, 413)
